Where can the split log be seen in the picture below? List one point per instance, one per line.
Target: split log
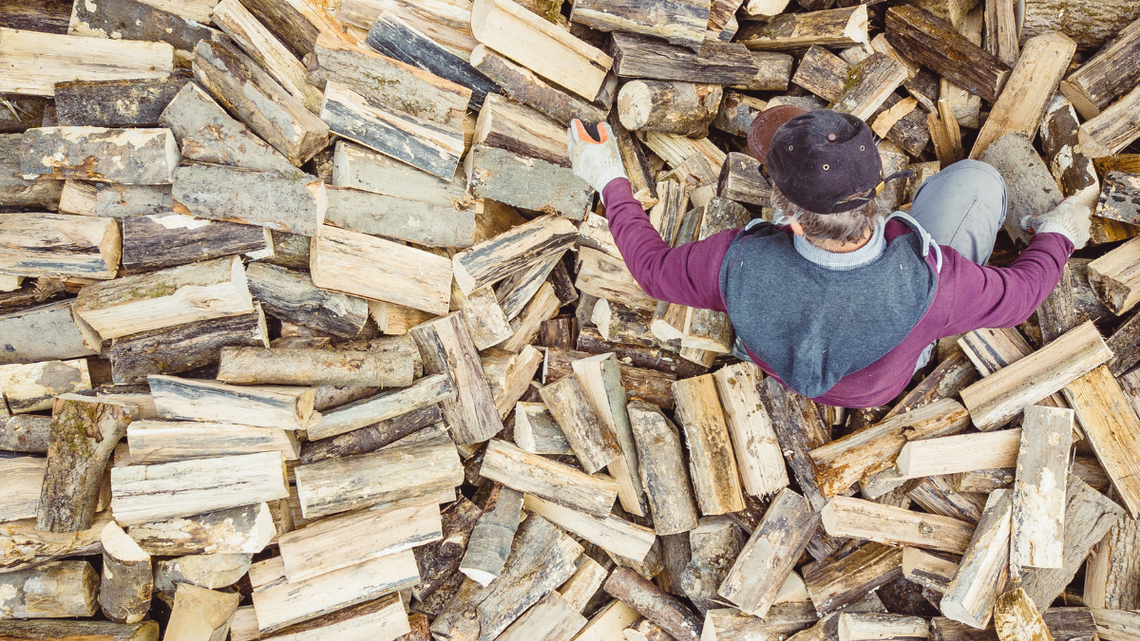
(25, 477)
(741, 180)
(993, 401)
(208, 134)
(648, 385)
(142, 156)
(524, 86)
(517, 291)
(26, 547)
(529, 183)
(28, 71)
(788, 31)
(767, 559)
(1001, 31)
(616, 536)
(758, 454)
(593, 440)
(799, 430)
(490, 541)
(932, 44)
(1095, 25)
(538, 45)
(1119, 196)
(675, 150)
(639, 56)
(393, 473)
(446, 348)
(299, 201)
(1038, 500)
(548, 480)
(168, 441)
(59, 246)
(1017, 619)
(868, 85)
(861, 519)
(957, 454)
(1103, 411)
(679, 23)
(384, 407)
(1031, 188)
(292, 296)
(661, 465)
(706, 329)
(1031, 85)
(114, 200)
(1113, 129)
(138, 494)
(635, 163)
(1059, 140)
(654, 604)
(537, 432)
(210, 571)
(125, 591)
(1107, 75)
(775, 69)
(843, 462)
(551, 618)
(393, 35)
(618, 323)
(737, 111)
(712, 465)
(17, 191)
(246, 91)
(1110, 278)
(84, 433)
(521, 130)
(264, 406)
(363, 265)
(671, 107)
(369, 438)
(339, 542)
(171, 239)
(939, 495)
(511, 251)
(510, 374)
(386, 362)
(115, 103)
(609, 622)
(600, 377)
(33, 387)
(586, 582)
(864, 627)
(60, 589)
(439, 561)
(25, 433)
(928, 570)
(73, 630)
(664, 361)
(382, 618)
(729, 624)
(174, 296)
(133, 20)
(241, 530)
(834, 584)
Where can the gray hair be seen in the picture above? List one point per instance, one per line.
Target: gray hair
(845, 226)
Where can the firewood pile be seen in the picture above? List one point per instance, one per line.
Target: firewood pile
(308, 331)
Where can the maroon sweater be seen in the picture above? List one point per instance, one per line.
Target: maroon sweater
(969, 296)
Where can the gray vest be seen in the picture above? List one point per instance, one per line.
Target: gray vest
(813, 325)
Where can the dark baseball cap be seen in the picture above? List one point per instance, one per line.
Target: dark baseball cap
(822, 160)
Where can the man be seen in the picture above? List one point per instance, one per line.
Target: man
(843, 300)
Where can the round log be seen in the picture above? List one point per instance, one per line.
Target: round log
(670, 107)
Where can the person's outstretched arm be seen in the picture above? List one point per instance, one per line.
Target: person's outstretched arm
(687, 275)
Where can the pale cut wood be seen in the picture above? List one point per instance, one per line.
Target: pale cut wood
(143, 493)
(168, 441)
(519, 129)
(256, 99)
(612, 534)
(1113, 129)
(675, 150)
(517, 291)
(210, 571)
(33, 387)
(291, 296)
(940, 495)
(757, 451)
(867, 627)
(396, 320)
(280, 603)
(593, 440)
(1017, 619)
(1106, 75)
(241, 530)
(1038, 521)
(60, 589)
(524, 86)
(490, 541)
(834, 584)
(58, 245)
(24, 477)
(842, 462)
(84, 432)
(720, 63)
(382, 619)
(174, 296)
(767, 559)
(447, 348)
(679, 23)
(831, 27)
(608, 623)
(541, 47)
(132, 156)
(33, 62)
(862, 519)
(1108, 421)
(375, 268)
(510, 374)
(25, 433)
(1113, 279)
(587, 580)
(187, 399)
(425, 392)
(600, 377)
(546, 479)
(928, 570)
(542, 558)
(712, 465)
(608, 277)
(385, 362)
(730, 624)
(868, 86)
(45, 333)
(662, 470)
(397, 472)
(1031, 85)
(552, 619)
(961, 453)
(74, 630)
(514, 250)
(283, 201)
(341, 541)
(299, 24)
(26, 547)
(443, 21)
(537, 432)
(1001, 396)
(127, 581)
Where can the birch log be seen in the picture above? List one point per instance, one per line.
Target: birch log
(125, 591)
(1038, 520)
(490, 541)
(264, 406)
(662, 469)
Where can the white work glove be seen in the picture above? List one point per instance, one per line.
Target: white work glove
(1070, 219)
(595, 161)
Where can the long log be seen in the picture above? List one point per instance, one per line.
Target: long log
(116, 103)
(114, 201)
(861, 519)
(788, 31)
(712, 465)
(59, 246)
(661, 465)
(561, 484)
(1113, 129)
(298, 200)
(60, 589)
(388, 362)
(17, 191)
(1038, 518)
(242, 530)
(26, 476)
(654, 604)
(1107, 75)
(169, 441)
(265, 406)
(679, 23)
(523, 85)
(142, 156)
(291, 296)
(832, 584)
(134, 20)
(33, 387)
(529, 183)
(64, 630)
(127, 582)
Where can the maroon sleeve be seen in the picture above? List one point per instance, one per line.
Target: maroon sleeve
(686, 275)
(985, 296)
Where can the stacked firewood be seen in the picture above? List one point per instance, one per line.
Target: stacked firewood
(308, 331)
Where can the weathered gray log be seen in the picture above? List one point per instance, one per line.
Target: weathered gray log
(45, 333)
(372, 437)
(125, 591)
(490, 541)
(520, 83)
(115, 103)
(17, 191)
(680, 23)
(529, 183)
(73, 630)
(166, 240)
(654, 604)
(639, 56)
(128, 156)
(114, 200)
(285, 201)
(1030, 187)
(208, 134)
(292, 296)
(415, 221)
(25, 433)
(134, 20)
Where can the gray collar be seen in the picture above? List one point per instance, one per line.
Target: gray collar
(843, 262)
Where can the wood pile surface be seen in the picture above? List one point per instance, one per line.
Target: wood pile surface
(309, 332)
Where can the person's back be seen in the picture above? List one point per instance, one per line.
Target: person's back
(843, 299)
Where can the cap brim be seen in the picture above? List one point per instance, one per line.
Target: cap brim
(764, 127)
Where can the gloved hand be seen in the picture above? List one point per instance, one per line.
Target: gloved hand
(1070, 219)
(595, 161)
